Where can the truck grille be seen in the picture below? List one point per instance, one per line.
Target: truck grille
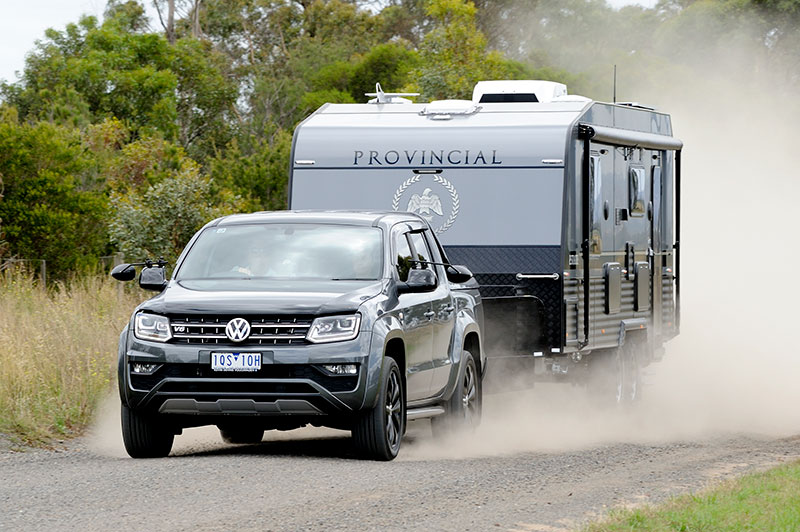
(272, 330)
(275, 372)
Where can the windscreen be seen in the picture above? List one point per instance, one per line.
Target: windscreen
(285, 251)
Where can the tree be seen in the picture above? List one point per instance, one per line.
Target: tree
(454, 54)
(254, 168)
(161, 220)
(52, 208)
(92, 71)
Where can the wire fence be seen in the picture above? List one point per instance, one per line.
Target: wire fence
(39, 266)
(10, 264)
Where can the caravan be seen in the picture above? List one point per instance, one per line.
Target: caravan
(567, 211)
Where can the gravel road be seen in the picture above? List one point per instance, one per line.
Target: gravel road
(553, 475)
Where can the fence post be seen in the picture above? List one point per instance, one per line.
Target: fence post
(43, 271)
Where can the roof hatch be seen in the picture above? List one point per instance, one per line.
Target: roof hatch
(515, 91)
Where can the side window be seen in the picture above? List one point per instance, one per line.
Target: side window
(595, 183)
(403, 258)
(421, 248)
(636, 188)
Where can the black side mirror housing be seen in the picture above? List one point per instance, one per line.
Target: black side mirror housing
(123, 272)
(418, 281)
(458, 274)
(153, 278)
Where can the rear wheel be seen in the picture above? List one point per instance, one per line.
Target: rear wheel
(632, 383)
(239, 434)
(377, 432)
(616, 376)
(145, 436)
(463, 409)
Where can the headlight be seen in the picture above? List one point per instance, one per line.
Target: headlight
(334, 329)
(152, 327)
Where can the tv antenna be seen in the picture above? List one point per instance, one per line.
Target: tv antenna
(615, 83)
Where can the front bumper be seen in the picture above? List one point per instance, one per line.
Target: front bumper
(291, 381)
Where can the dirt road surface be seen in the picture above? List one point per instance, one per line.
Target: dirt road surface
(547, 476)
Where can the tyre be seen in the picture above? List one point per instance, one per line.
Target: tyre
(377, 432)
(463, 409)
(616, 376)
(632, 381)
(144, 435)
(240, 434)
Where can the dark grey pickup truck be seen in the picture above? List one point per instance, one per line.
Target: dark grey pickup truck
(351, 320)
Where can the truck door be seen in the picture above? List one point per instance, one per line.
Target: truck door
(416, 319)
(443, 315)
(656, 241)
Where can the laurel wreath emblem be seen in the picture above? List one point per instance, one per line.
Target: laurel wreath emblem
(442, 181)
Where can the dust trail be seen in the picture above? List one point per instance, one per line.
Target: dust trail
(735, 367)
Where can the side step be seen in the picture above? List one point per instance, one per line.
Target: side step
(420, 413)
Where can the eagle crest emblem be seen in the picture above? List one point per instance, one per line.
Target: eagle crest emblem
(429, 204)
(423, 205)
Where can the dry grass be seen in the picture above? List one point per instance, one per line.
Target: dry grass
(58, 350)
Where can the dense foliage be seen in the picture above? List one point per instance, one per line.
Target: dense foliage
(127, 133)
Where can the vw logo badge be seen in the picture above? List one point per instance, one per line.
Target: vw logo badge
(238, 329)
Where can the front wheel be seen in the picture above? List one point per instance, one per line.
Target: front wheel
(378, 431)
(463, 409)
(144, 435)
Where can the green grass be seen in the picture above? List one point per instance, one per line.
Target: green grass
(768, 501)
(58, 349)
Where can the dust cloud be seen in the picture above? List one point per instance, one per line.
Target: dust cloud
(734, 369)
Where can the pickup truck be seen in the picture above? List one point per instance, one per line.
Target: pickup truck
(351, 320)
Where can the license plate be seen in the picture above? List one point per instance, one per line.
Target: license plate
(235, 361)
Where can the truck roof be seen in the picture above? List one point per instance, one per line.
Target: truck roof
(349, 217)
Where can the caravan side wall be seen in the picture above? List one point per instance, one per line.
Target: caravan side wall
(631, 215)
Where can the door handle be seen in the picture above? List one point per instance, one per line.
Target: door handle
(429, 314)
(553, 276)
(449, 308)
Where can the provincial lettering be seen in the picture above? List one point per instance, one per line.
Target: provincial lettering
(450, 157)
(455, 157)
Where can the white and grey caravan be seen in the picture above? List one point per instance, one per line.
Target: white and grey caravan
(557, 203)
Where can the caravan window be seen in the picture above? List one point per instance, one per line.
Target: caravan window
(596, 191)
(637, 191)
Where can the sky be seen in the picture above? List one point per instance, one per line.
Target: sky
(23, 23)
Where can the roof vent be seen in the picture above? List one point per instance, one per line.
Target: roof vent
(514, 91)
(446, 109)
(389, 97)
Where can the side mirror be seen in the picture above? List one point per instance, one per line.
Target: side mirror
(123, 272)
(153, 278)
(458, 274)
(418, 281)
